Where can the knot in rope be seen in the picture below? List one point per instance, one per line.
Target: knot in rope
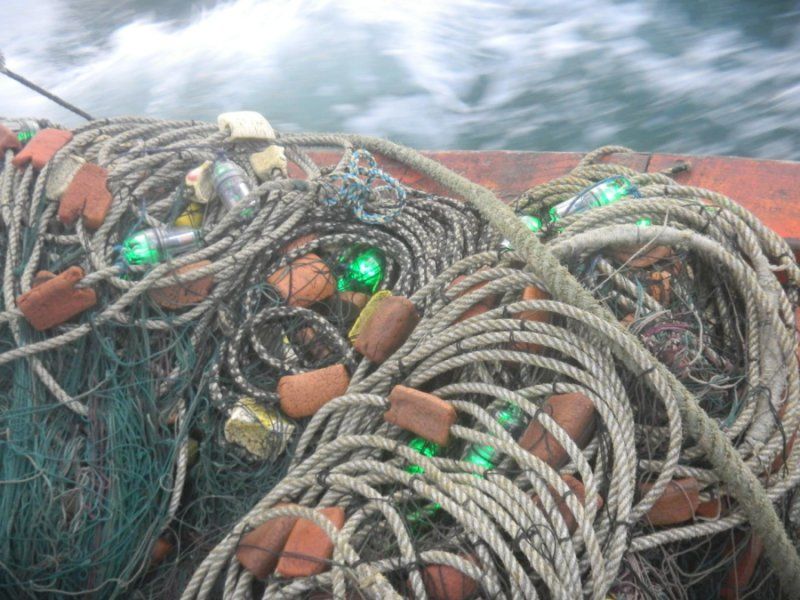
(358, 190)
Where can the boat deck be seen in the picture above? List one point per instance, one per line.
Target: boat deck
(770, 189)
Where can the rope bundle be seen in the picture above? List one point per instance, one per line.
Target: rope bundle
(99, 412)
(503, 532)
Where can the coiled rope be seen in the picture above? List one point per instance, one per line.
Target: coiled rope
(494, 531)
(99, 411)
(352, 461)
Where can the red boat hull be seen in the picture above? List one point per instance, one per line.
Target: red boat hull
(770, 189)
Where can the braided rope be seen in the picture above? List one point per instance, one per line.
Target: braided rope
(502, 527)
(213, 352)
(361, 444)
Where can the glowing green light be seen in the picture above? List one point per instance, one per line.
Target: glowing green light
(603, 193)
(644, 222)
(425, 448)
(25, 136)
(609, 194)
(483, 456)
(424, 513)
(428, 449)
(363, 268)
(140, 250)
(531, 222)
(152, 246)
(511, 418)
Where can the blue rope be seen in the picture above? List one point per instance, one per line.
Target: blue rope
(358, 189)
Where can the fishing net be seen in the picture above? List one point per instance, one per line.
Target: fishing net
(609, 396)
(101, 415)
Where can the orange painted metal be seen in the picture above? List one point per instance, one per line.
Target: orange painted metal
(770, 189)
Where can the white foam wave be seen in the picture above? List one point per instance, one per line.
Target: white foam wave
(451, 73)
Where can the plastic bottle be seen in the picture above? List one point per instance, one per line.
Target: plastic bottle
(602, 193)
(362, 269)
(232, 187)
(511, 418)
(24, 128)
(152, 246)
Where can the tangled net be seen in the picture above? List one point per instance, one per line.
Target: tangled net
(701, 292)
(577, 463)
(100, 415)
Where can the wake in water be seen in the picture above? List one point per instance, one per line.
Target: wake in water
(469, 74)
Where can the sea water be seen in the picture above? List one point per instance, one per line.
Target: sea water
(694, 76)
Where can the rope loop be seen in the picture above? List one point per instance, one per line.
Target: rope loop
(358, 190)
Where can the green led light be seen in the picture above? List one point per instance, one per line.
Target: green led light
(483, 456)
(139, 250)
(424, 513)
(511, 418)
(232, 187)
(603, 193)
(607, 195)
(152, 246)
(644, 222)
(612, 190)
(363, 268)
(428, 449)
(425, 448)
(531, 222)
(25, 136)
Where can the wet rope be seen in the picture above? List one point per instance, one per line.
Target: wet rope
(337, 451)
(730, 468)
(40, 90)
(77, 385)
(100, 410)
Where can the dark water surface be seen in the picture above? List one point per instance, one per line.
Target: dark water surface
(703, 76)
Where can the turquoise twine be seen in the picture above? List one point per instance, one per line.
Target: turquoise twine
(357, 189)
